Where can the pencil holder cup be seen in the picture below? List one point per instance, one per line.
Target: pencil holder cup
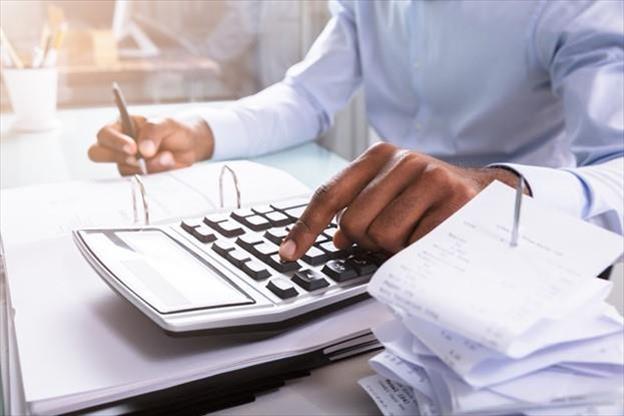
(33, 93)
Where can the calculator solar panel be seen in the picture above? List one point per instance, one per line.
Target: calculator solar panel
(222, 272)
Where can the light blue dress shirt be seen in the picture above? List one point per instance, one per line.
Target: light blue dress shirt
(536, 85)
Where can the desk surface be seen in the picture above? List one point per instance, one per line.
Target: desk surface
(27, 159)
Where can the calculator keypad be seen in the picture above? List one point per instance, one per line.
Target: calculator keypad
(249, 239)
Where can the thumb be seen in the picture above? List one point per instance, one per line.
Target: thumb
(151, 134)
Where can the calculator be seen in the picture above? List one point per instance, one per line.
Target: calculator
(221, 273)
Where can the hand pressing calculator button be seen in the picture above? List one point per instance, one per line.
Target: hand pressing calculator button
(282, 288)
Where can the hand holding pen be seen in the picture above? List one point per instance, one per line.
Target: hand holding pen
(160, 144)
(127, 125)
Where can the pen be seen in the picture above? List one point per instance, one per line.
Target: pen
(9, 48)
(127, 125)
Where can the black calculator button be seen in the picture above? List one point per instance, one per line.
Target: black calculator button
(278, 219)
(255, 270)
(315, 256)
(362, 264)
(281, 266)
(214, 219)
(276, 235)
(340, 270)
(332, 251)
(227, 228)
(282, 288)
(223, 247)
(241, 214)
(293, 203)
(247, 241)
(264, 250)
(237, 257)
(310, 279)
(190, 225)
(262, 209)
(256, 222)
(204, 234)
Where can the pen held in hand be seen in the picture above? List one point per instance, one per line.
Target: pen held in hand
(127, 124)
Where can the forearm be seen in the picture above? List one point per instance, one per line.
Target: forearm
(299, 108)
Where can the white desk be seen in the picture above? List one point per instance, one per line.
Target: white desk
(27, 159)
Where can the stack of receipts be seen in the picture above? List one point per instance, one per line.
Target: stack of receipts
(482, 327)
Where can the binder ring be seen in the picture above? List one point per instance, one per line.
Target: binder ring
(517, 207)
(138, 190)
(224, 169)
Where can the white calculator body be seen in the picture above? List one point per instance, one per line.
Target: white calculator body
(221, 273)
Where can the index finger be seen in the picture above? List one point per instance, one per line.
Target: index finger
(331, 197)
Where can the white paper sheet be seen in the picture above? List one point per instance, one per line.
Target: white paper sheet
(465, 276)
(553, 385)
(48, 211)
(480, 366)
(394, 368)
(392, 398)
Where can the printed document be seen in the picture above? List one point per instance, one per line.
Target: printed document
(466, 277)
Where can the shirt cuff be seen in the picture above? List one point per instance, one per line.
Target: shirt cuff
(230, 137)
(557, 188)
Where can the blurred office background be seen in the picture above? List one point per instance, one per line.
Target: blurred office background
(164, 51)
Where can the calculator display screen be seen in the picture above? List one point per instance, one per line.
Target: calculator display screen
(163, 273)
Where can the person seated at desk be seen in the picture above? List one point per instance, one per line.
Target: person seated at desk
(464, 93)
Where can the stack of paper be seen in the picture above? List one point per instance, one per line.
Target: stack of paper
(486, 328)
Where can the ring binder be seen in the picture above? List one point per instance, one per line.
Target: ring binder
(224, 169)
(138, 190)
(518, 205)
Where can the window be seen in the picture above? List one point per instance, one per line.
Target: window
(165, 50)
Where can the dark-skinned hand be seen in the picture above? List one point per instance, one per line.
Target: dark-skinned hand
(388, 198)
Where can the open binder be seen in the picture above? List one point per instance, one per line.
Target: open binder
(70, 344)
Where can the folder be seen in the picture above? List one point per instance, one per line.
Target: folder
(71, 344)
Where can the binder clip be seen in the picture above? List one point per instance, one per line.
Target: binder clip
(139, 195)
(517, 206)
(225, 169)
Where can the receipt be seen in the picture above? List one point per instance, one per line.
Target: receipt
(464, 275)
(480, 366)
(392, 398)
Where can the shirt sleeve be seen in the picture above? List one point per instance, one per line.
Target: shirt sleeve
(581, 44)
(302, 106)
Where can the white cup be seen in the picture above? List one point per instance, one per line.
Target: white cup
(33, 93)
